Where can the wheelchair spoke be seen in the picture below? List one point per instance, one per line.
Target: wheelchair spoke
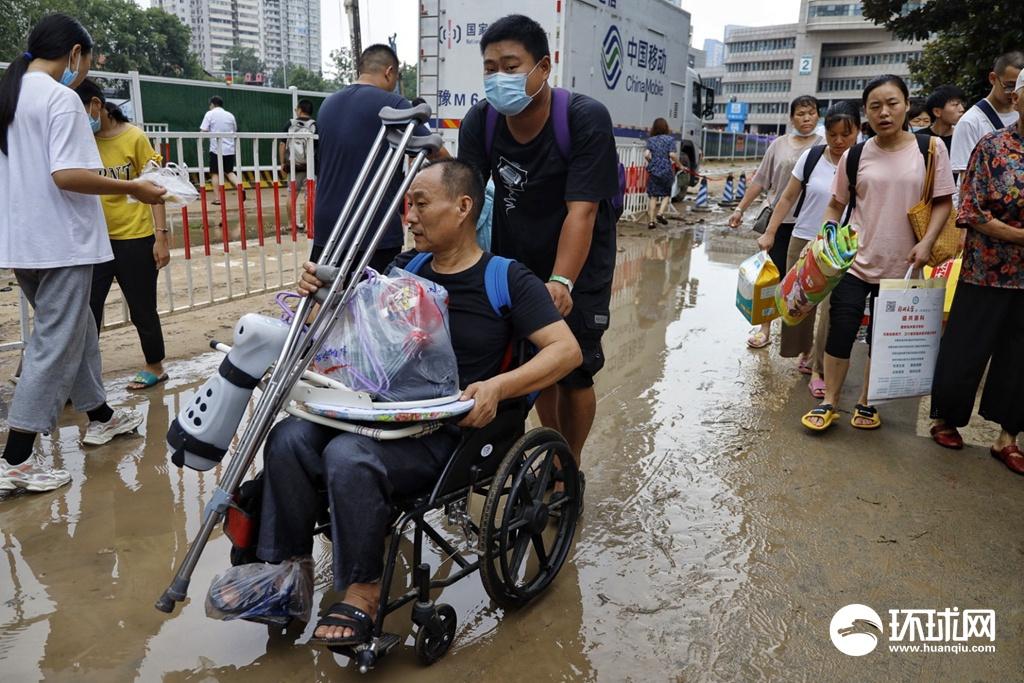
(538, 547)
(545, 474)
(522, 543)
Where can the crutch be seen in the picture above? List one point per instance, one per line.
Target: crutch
(396, 139)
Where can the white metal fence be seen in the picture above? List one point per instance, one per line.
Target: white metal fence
(244, 240)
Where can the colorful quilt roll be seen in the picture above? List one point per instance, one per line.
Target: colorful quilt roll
(821, 265)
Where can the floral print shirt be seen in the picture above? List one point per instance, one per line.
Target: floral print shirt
(660, 164)
(993, 188)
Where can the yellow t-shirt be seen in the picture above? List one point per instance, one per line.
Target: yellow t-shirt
(124, 156)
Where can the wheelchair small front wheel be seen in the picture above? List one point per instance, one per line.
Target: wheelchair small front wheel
(527, 526)
(431, 647)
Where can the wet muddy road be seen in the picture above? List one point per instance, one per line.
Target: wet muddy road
(718, 540)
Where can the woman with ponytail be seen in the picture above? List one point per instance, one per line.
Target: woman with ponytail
(138, 233)
(51, 234)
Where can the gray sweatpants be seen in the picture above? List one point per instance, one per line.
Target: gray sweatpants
(62, 357)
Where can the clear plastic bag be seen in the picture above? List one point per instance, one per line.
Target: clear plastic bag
(174, 179)
(268, 593)
(392, 340)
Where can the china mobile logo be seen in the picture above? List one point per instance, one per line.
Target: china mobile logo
(857, 629)
(611, 57)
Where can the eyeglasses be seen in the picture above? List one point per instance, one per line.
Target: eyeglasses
(1008, 86)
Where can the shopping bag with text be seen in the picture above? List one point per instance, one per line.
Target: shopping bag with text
(907, 325)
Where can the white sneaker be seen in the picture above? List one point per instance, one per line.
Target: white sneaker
(123, 421)
(31, 475)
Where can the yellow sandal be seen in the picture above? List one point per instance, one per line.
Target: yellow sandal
(826, 412)
(864, 412)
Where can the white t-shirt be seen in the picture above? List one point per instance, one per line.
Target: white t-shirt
(817, 196)
(42, 226)
(220, 120)
(971, 127)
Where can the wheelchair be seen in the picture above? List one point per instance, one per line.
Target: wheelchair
(525, 530)
(519, 541)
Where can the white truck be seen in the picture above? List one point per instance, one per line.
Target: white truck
(632, 55)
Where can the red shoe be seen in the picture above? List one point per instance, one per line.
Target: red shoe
(947, 437)
(1011, 457)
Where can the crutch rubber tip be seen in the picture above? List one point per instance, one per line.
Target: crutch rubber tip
(213, 344)
(165, 604)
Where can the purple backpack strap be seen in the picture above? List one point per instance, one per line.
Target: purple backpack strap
(490, 125)
(559, 121)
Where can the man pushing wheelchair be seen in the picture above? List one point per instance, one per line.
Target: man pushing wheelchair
(361, 475)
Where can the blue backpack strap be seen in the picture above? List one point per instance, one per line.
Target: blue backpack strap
(490, 126)
(417, 262)
(560, 121)
(496, 284)
(990, 113)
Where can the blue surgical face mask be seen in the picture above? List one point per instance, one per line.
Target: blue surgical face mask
(95, 124)
(507, 92)
(69, 76)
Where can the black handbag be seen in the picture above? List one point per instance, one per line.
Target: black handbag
(763, 218)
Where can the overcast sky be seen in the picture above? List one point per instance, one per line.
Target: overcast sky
(380, 18)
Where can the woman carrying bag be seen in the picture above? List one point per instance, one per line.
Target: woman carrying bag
(890, 177)
(808, 193)
(52, 233)
(138, 233)
(772, 176)
(660, 155)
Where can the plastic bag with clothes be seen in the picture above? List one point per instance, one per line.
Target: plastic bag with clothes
(392, 340)
(267, 593)
(174, 179)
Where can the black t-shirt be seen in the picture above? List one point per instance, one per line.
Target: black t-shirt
(480, 337)
(347, 123)
(532, 183)
(948, 139)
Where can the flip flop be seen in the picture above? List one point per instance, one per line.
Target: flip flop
(825, 411)
(817, 387)
(866, 413)
(758, 340)
(804, 367)
(147, 379)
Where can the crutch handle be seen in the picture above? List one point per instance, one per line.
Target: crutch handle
(326, 275)
(417, 143)
(390, 116)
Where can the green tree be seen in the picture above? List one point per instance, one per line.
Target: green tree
(409, 78)
(240, 60)
(343, 66)
(964, 38)
(302, 78)
(127, 37)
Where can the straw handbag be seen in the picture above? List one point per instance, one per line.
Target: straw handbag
(947, 245)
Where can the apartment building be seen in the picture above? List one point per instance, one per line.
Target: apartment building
(831, 53)
(279, 31)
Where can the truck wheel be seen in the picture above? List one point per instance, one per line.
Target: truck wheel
(683, 178)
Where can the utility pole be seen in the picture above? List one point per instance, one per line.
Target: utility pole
(352, 11)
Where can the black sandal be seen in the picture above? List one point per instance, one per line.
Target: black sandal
(651, 226)
(345, 615)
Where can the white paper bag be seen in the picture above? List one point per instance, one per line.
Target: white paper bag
(907, 326)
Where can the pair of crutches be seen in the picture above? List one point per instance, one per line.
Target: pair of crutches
(344, 251)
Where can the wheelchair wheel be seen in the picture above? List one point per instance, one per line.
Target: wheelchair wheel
(528, 528)
(430, 648)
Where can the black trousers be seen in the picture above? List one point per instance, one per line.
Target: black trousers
(360, 476)
(846, 311)
(780, 248)
(985, 324)
(136, 273)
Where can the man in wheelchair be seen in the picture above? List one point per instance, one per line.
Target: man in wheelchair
(362, 475)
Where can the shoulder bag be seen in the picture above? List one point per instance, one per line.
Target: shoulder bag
(947, 245)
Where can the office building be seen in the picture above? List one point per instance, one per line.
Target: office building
(831, 53)
(714, 52)
(279, 31)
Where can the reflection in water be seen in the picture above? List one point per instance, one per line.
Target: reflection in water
(659, 547)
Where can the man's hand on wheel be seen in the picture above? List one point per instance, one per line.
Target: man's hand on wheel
(486, 396)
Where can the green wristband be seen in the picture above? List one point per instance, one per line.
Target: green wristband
(562, 281)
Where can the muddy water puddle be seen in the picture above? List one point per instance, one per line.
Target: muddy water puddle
(660, 567)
